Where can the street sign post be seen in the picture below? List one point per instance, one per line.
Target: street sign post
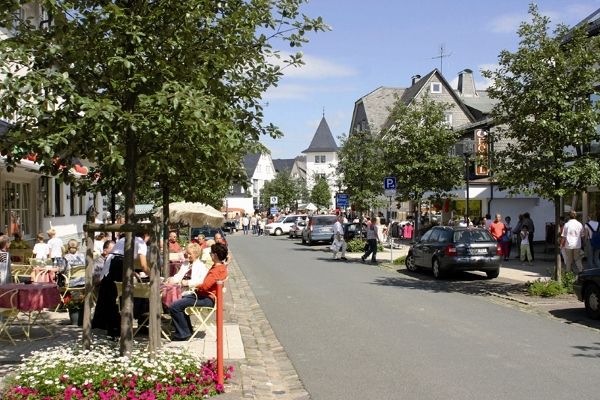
(342, 200)
(274, 200)
(389, 188)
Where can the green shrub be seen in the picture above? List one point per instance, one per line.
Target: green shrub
(548, 288)
(567, 281)
(399, 260)
(358, 246)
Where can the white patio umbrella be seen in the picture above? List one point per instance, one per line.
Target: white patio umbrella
(311, 207)
(193, 214)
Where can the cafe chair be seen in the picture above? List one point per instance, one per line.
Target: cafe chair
(74, 273)
(203, 315)
(141, 291)
(8, 312)
(21, 272)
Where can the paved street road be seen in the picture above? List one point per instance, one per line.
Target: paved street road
(354, 331)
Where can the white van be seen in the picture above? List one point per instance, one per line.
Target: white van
(283, 224)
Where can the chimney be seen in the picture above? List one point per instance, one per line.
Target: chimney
(466, 83)
(415, 79)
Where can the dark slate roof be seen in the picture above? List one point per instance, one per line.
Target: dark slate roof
(250, 163)
(283, 164)
(410, 93)
(323, 140)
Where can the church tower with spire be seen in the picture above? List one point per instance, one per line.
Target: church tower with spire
(321, 158)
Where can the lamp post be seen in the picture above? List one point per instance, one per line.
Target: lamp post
(465, 148)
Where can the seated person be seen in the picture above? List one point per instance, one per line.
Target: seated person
(73, 256)
(193, 270)
(99, 261)
(205, 294)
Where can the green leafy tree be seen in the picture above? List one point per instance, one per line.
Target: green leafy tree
(284, 187)
(417, 144)
(166, 92)
(320, 194)
(545, 114)
(361, 169)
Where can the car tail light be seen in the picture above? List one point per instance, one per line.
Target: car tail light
(498, 249)
(450, 250)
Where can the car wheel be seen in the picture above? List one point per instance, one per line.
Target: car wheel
(493, 274)
(409, 262)
(591, 298)
(278, 232)
(437, 272)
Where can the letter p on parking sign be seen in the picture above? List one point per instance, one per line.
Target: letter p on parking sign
(389, 183)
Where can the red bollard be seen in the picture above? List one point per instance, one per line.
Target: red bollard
(220, 332)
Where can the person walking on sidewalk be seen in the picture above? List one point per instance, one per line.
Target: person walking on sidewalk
(339, 244)
(528, 222)
(592, 236)
(245, 224)
(571, 236)
(525, 249)
(498, 230)
(373, 237)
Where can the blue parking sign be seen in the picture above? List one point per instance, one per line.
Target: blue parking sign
(389, 183)
(342, 200)
(273, 210)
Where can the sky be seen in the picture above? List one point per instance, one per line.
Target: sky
(384, 43)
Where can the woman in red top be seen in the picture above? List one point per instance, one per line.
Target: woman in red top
(205, 294)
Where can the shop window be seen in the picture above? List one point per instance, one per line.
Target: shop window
(16, 205)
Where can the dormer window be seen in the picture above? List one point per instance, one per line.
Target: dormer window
(320, 159)
(436, 87)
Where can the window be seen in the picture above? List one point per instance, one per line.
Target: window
(16, 208)
(81, 201)
(317, 159)
(58, 211)
(323, 159)
(45, 194)
(427, 235)
(436, 87)
(435, 235)
(73, 201)
(448, 119)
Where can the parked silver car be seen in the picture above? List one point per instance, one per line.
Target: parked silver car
(319, 229)
(296, 229)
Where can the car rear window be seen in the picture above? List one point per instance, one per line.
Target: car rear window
(473, 236)
(324, 220)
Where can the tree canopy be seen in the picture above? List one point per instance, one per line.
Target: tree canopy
(288, 190)
(417, 148)
(544, 112)
(320, 194)
(361, 169)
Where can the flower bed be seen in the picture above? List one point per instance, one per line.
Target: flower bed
(73, 373)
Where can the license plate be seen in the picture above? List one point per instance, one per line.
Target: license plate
(478, 251)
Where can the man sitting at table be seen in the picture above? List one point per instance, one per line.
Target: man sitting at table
(193, 270)
(174, 246)
(205, 294)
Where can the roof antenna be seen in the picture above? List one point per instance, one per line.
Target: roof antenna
(442, 55)
(323, 111)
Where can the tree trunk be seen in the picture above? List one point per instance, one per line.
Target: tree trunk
(155, 299)
(557, 235)
(166, 224)
(126, 341)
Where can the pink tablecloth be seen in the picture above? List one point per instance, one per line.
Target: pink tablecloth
(170, 294)
(32, 297)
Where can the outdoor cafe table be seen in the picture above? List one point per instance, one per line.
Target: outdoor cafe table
(32, 299)
(169, 294)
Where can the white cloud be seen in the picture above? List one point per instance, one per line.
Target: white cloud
(571, 14)
(314, 68)
(297, 91)
(507, 23)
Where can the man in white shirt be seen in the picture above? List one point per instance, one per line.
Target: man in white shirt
(571, 243)
(339, 244)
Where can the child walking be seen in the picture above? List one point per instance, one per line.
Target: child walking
(525, 250)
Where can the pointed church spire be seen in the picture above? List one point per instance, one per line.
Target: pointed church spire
(323, 140)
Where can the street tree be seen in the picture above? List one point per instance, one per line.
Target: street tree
(284, 187)
(545, 114)
(320, 195)
(417, 145)
(148, 91)
(361, 169)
